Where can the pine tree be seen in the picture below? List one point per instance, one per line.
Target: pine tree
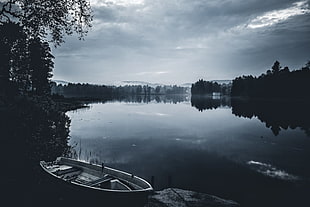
(276, 67)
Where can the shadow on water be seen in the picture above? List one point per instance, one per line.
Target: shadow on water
(249, 188)
(31, 132)
(168, 98)
(209, 102)
(277, 115)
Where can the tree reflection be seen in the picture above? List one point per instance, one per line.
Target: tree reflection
(209, 102)
(30, 132)
(139, 99)
(276, 114)
(41, 132)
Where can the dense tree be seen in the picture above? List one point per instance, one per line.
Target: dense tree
(276, 67)
(280, 83)
(41, 65)
(202, 87)
(26, 63)
(102, 91)
(53, 18)
(13, 63)
(25, 27)
(10, 35)
(19, 68)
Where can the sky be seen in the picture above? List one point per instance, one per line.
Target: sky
(181, 41)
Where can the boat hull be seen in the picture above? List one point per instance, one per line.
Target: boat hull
(81, 195)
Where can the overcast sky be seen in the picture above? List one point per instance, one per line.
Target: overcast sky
(181, 41)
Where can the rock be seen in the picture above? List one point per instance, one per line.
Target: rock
(174, 197)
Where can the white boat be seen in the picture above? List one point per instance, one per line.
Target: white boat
(97, 180)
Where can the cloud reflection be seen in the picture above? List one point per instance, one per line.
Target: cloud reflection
(271, 171)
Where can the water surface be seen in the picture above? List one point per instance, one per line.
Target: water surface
(206, 149)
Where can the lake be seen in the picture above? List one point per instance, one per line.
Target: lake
(254, 153)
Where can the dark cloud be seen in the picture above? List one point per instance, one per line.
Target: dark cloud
(181, 41)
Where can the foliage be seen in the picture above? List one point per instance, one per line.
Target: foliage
(26, 59)
(41, 65)
(202, 87)
(278, 83)
(53, 18)
(25, 63)
(102, 91)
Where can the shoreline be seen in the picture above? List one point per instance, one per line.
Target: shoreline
(175, 197)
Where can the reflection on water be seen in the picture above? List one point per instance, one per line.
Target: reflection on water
(33, 133)
(269, 170)
(211, 151)
(29, 133)
(209, 102)
(169, 98)
(276, 115)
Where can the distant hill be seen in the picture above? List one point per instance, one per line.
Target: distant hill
(143, 83)
(134, 83)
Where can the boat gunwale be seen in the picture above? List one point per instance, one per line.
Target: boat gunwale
(144, 190)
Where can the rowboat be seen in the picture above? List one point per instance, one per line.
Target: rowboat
(99, 181)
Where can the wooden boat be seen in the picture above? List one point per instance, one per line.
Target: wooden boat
(100, 181)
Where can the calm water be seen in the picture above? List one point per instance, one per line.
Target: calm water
(206, 149)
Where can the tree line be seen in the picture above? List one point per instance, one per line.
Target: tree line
(275, 83)
(26, 29)
(103, 91)
(202, 87)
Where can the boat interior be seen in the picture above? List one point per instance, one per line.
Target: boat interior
(94, 178)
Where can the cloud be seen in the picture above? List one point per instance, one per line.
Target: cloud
(152, 73)
(181, 41)
(116, 2)
(276, 16)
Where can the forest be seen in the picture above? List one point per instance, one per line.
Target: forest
(33, 126)
(27, 28)
(275, 83)
(202, 87)
(26, 63)
(103, 91)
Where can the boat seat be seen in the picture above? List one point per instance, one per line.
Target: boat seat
(98, 181)
(66, 171)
